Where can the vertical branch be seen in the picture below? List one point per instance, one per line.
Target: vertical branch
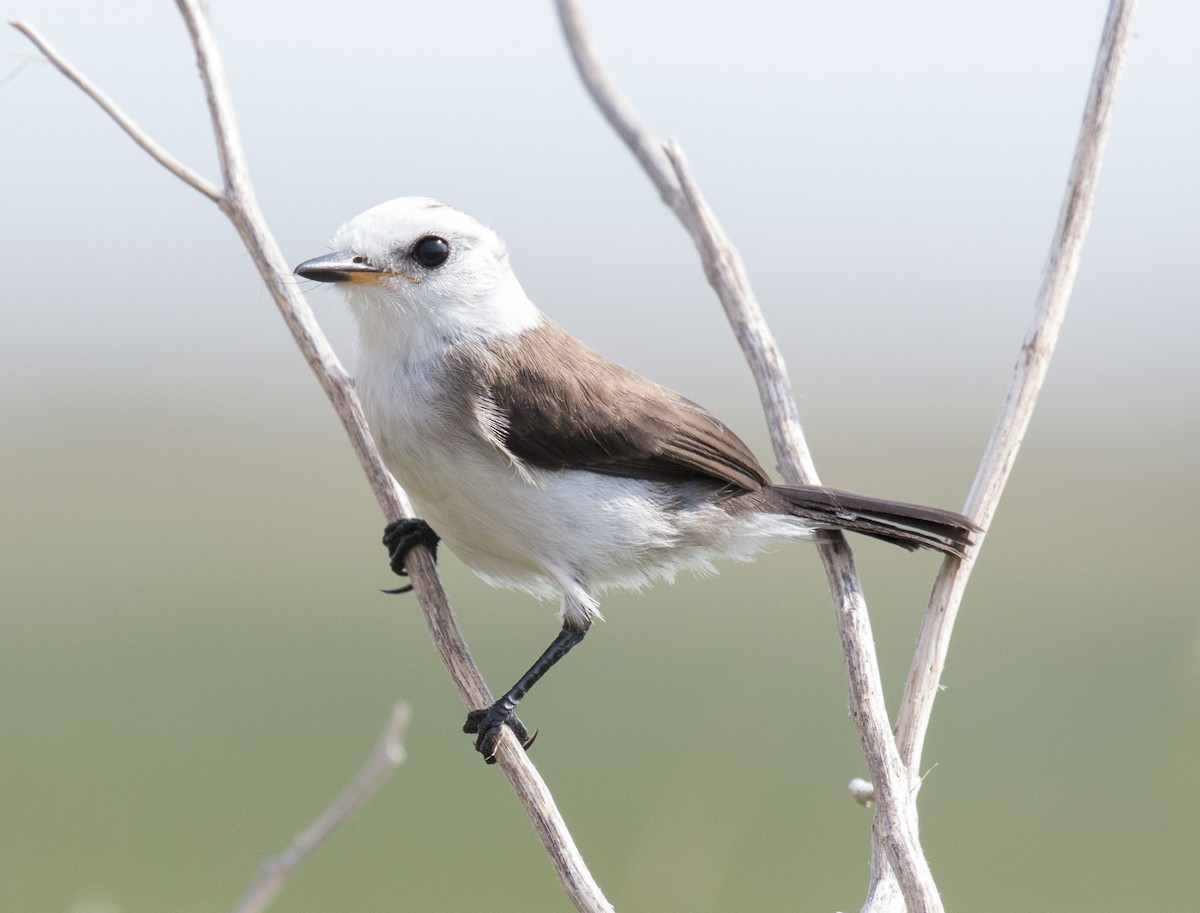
(1029, 374)
(895, 829)
(929, 658)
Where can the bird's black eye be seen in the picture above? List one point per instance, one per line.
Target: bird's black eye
(431, 251)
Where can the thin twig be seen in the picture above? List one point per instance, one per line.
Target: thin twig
(16, 71)
(156, 152)
(1033, 362)
(929, 658)
(237, 201)
(895, 818)
(387, 755)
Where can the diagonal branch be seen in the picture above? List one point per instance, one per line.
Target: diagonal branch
(895, 823)
(727, 275)
(156, 152)
(1033, 362)
(387, 755)
(722, 263)
(236, 200)
(894, 827)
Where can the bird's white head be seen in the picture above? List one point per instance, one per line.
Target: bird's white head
(417, 270)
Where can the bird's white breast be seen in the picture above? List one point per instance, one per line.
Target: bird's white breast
(546, 532)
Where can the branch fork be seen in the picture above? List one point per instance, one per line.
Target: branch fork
(235, 198)
(900, 875)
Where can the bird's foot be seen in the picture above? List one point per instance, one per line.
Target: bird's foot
(488, 723)
(401, 537)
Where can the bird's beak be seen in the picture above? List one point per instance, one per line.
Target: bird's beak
(341, 266)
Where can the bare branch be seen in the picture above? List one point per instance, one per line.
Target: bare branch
(156, 152)
(895, 828)
(238, 203)
(667, 170)
(1033, 362)
(388, 754)
(726, 274)
(895, 819)
(933, 643)
(16, 71)
(619, 113)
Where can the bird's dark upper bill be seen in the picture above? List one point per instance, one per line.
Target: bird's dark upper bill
(342, 266)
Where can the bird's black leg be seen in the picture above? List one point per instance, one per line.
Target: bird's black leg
(488, 722)
(401, 537)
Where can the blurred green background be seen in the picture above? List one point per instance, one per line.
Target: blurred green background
(195, 657)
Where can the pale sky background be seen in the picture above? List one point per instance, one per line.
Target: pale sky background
(891, 172)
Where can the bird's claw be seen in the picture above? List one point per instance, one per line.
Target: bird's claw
(488, 723)
(401, 537)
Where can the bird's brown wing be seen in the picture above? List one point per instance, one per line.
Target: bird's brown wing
(556, 404)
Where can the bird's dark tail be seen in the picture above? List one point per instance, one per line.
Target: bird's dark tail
(910, 526)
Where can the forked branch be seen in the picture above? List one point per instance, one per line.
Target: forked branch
(897, 859)
(236, 199)
(898, 834)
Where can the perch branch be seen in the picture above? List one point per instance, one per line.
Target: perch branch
(388, 754)
(236, 200)
(895, 829)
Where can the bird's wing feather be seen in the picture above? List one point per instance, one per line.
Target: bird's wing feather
(556, 404)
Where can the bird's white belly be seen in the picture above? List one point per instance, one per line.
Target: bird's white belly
(518, 526)
(548, 532)
(533, 529)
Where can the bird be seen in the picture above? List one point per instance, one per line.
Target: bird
(543, 465)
